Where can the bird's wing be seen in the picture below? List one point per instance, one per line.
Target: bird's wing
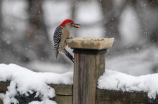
(57, 38)
(68, 54)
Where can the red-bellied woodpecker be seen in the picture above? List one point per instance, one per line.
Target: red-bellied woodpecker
(62, 33)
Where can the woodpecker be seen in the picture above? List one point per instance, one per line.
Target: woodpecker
(62, 32)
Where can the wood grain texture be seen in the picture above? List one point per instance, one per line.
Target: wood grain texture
(3, 86)
(87, 69)
(116, 102)
(63, 99)
(135, 97)
(62, 89)
(1, 102)
(64, 94)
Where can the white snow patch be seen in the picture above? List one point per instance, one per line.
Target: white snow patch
(1, 96)
(26, 80)
(113, 80)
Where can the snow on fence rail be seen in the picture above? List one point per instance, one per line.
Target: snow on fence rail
(64, 95)
(23, 86)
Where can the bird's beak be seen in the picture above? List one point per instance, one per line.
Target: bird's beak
(77, 25)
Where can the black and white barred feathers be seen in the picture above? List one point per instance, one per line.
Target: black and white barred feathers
(57, 39)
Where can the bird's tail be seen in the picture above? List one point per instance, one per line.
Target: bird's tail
(56, 53)
(68, 55)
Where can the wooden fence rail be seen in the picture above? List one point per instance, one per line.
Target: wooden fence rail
(64, 95)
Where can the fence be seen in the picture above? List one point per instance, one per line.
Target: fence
(64, 95)
(89, 64)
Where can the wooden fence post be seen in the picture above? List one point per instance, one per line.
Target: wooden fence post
(89, 65)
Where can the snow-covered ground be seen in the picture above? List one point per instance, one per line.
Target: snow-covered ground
(24, 81)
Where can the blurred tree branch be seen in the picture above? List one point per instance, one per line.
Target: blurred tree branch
(5, 48)
(0, 17)
(111, 18)
(0, 26)
(147, 13)
(37, 39)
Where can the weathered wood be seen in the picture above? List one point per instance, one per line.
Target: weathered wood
(89, 65)
(135, 97)
(75, 93)
(62, 89)
(63, 99)
(64, 94)
(116, 102)
(1, 102)
(100, 64)
(104, 95)
(3, 86)
(59, 89)
(87, 69)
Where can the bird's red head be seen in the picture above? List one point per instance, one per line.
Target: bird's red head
(65, 22)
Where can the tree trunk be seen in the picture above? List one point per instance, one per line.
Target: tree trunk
(154, 35)
(111, 20)
(0, 17)
(73, 15)
(147, 12)
(37, 36)
(7, 51)
(0, 26)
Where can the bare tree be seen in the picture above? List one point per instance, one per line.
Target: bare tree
(8, 53)
(0, 16)
(111, 14)
(0, 26)
(147, 12)
(153, 37)
(37, 40)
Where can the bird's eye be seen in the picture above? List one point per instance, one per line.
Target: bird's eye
(72, 24)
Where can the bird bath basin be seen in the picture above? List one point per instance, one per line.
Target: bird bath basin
(90, 43)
